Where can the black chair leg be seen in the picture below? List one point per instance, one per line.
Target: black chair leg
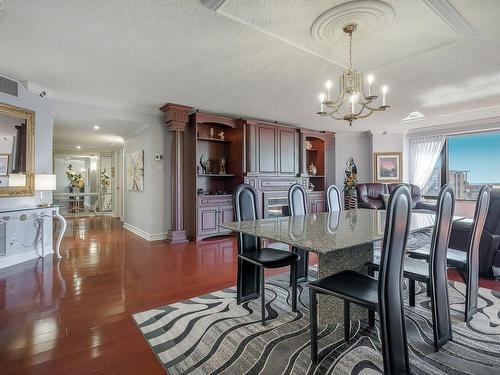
(293, 272)
(313, 306)
(347, 320)
(263, 296)
(411, 291)
(371, 318)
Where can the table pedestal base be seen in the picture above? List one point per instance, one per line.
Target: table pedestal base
(331, 309)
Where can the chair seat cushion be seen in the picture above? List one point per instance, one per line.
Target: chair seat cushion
(354, 286)
(413, 268)
(271, 258)
(456, 258)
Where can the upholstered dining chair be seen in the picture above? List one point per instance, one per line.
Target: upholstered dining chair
(297, 204)
(384, 295)
(467, 263)
(252, 259)
(434, 273)
(333, 201)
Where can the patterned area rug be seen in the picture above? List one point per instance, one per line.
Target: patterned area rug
(210, 334)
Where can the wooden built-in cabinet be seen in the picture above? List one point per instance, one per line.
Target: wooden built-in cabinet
(272, 149)
(271, 157)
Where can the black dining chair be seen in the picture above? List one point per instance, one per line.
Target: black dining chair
(434, 273)
(252, 259)
(384, 295)
(333, 200)
(466, 263)
(297, 204)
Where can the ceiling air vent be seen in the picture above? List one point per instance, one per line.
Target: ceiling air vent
(8, 86)
(415, 115)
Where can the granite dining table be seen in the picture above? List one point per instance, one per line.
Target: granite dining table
(342, 240)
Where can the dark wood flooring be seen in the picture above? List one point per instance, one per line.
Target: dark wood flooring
(74, 316)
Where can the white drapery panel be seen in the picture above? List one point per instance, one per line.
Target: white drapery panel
(424, 153)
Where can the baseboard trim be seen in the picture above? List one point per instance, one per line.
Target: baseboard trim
(147, 236)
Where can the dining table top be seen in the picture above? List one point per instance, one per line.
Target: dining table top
(328, 231)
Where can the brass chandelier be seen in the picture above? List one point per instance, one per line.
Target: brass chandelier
(351, 88)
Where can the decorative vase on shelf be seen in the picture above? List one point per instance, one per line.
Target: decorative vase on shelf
(312, 170)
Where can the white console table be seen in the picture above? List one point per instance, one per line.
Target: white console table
(30, 214)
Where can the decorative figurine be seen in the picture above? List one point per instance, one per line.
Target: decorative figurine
(221, 135)
(310, 186)
(309, 145)
(312, 170)
(222, 165)
(205, 165)
(211, 132)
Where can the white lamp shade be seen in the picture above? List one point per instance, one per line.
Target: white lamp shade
(45, 182)
(17, 179)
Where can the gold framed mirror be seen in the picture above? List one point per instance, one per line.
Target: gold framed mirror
(17, 151)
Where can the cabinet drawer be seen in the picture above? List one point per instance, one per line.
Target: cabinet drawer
(215, 200)
(277, 184)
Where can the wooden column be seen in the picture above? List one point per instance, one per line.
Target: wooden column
(176, 118)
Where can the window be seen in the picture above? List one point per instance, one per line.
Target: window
(434, 184)
(473, 161)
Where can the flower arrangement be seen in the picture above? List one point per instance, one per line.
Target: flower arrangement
(105, 179)
(75, 179)
(351, 177)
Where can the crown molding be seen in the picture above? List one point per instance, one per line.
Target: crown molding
(450, 15)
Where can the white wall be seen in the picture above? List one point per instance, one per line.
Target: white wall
(147, 213)
(357, 145)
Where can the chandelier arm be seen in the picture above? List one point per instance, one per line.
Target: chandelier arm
(380, 109)
(340, 101)
(335, 118)
(365, 116)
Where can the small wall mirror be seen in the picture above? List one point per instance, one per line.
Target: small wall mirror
(17, 138)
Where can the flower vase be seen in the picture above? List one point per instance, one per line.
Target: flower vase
(350, 201)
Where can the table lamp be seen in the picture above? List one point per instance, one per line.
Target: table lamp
(17, 179)
(44, 182)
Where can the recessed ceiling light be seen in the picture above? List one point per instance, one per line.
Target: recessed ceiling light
(78, 147)
(97, 127)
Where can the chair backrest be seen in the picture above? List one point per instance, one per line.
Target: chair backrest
(245, 208)
(482, 205)
(297, 200)
(390, 285)
(333, 201)
(438, 269)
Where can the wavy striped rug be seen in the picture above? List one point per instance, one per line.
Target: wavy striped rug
(210, 334)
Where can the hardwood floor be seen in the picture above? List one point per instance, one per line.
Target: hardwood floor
(74, 316)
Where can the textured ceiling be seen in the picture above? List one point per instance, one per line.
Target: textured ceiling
(140, 54)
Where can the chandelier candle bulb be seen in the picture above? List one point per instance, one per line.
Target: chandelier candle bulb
(370, 80)
(329, 89)
(321, 100)
(384, 92)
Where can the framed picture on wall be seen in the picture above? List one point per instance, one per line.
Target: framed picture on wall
(387, 167)
(4, 164)
(135, 171)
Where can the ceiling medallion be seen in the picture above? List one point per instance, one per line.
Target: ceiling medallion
(351, 92)
(372, 14)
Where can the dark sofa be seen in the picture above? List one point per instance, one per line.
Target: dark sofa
(369, 195)
(489, 247)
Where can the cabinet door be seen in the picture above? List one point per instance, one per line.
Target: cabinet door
(207, 220)
(288, 148)
(226, 215)
(266, 149)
